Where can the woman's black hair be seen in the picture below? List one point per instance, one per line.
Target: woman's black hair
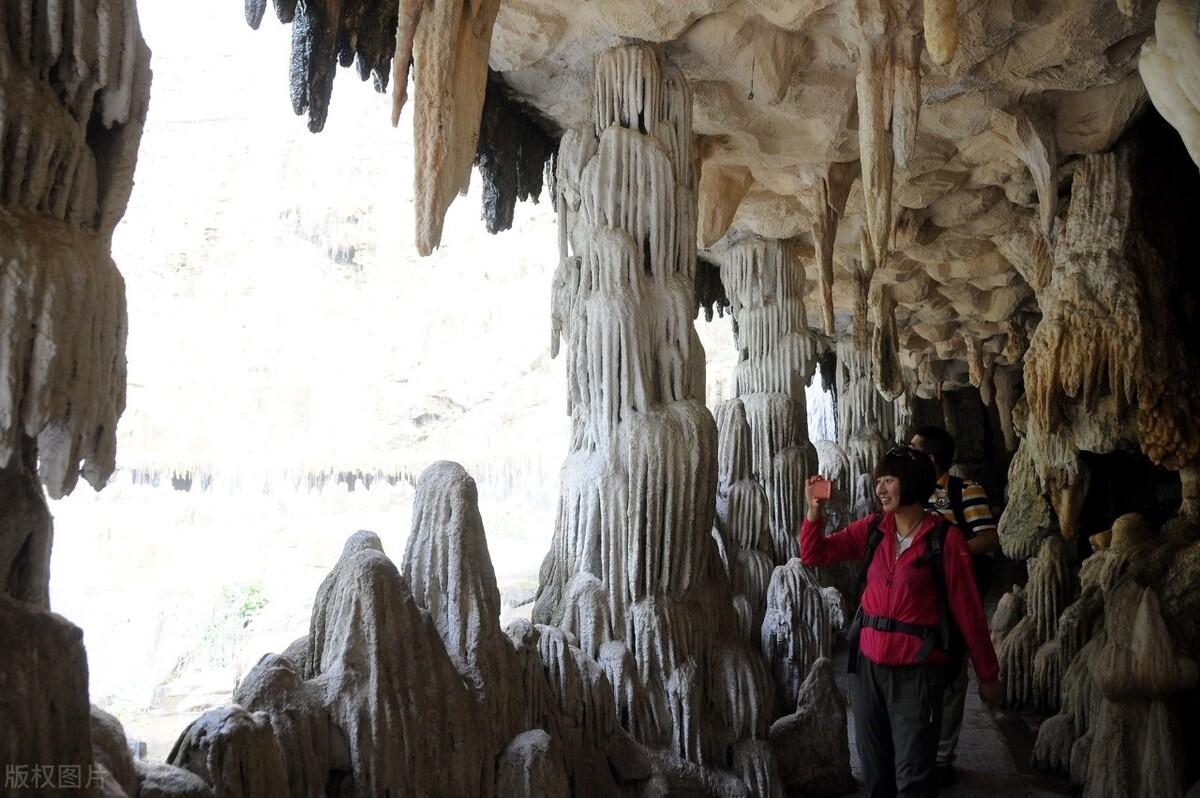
(914, 469)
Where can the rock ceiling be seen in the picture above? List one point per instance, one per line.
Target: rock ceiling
(982, 146)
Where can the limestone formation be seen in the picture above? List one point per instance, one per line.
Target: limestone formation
(43, 710)
(74, 88)
(799, 627)
(765, 285)
(632, 544)
(234, 751)
(1169, 64)
(811, 761)
(512, 154)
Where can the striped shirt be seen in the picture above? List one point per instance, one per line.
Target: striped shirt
(976, 509)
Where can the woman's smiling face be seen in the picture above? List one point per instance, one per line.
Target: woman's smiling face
(887, 490)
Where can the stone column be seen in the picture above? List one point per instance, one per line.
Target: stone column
(633, 560)
(778, 355)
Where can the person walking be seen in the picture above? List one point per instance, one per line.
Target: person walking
(965, 504)
(917, 584)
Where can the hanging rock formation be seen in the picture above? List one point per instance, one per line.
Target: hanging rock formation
(74, 87)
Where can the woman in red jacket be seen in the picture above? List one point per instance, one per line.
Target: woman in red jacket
(896, 691)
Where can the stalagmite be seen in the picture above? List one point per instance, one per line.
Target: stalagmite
(765, 285)
(45, 708)
(1137, 746)
(1048, 593)
(234, 751)
(743, 516)
(813, 761)
(798, 628)
(448, 569)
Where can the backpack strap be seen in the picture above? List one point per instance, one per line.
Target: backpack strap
(935, 545)
(874, 538)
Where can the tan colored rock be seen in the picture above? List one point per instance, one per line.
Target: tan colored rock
(721, 192)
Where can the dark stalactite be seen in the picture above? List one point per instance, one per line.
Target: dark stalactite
(254, 12)
(514, 147)
(710, 291)
(326, 33)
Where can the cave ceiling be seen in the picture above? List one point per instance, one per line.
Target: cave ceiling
(979, 160)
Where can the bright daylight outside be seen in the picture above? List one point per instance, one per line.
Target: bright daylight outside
(293, 367)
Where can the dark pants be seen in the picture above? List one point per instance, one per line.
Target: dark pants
(897, 722)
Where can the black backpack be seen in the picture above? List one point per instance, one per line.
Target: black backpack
(945, 635)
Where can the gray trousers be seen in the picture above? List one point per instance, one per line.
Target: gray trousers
(954, 700)
(897, 722)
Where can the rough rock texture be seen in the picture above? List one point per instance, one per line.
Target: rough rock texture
(799, 627)
(812, 760)
(74, 87)
(532, 766)
(166, 781)
(1048, 592)
(1116, 671)
(234, 751)
(44, 712)
(110, 750)
(1102, 344)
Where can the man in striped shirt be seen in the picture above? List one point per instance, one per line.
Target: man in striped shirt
(964, 504)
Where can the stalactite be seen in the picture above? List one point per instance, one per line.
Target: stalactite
(721, 191)
(874, 88)
(941, 29)
(710, 291)
(906, 100)
(828, 200)
(885, 347)
(512, 153)
(74, 96)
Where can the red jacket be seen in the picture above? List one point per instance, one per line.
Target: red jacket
(907, 592)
